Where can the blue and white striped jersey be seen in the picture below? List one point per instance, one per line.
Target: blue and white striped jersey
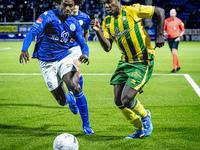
(53, 36)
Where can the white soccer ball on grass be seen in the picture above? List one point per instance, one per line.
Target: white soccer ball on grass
(65, 141)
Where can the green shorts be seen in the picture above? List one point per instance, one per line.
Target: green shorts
(134, 75)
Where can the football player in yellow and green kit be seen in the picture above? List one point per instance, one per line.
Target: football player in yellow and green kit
(124, 25)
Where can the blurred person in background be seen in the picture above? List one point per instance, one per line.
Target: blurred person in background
(75, 53)
(174, 29)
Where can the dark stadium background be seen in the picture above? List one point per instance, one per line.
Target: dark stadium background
(24, 12)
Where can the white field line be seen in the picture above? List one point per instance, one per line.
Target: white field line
(20, 74)
(187, 76)
(5, 48)
(193, 84)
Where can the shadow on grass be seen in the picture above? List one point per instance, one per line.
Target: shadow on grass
(97, 137)
(31, 105)
(43, 131)
(26, 131)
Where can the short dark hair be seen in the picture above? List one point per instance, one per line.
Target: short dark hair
(57, 1)
(76, 2)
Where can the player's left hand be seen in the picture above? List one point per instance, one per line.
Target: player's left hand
(84, 59)
(160, 42)
(177, 39)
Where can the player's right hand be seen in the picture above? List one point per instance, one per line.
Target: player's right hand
(165, 33)
(24, 56)
(95, 25)
(160, 42)
(84, 59)
(177, 39)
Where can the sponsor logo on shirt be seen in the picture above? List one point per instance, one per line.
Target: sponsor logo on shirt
(135, 74)
(39, 20)
(36, 25)
(64, 34)
(116, 30)
(63, 38)
(133, 81)
(118, 34)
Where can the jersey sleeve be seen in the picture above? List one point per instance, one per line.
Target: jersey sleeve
(27, 40)
(81, 40)
(87, 25)
(41, 22)
(106, 33)
(165, 27)
(181, 26)
(143, 11)
(37, 28)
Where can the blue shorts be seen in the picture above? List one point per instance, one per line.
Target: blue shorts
(172, 43)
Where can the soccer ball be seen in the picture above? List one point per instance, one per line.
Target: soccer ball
(65, 141)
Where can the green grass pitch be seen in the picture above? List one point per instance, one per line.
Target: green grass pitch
(30, 117)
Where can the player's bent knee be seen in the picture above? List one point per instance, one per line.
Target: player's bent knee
(76, 89)
(127, 102)
(59, 95)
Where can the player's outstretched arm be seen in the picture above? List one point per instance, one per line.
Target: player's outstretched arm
(24, 56)
(160, 18)
(105, 43)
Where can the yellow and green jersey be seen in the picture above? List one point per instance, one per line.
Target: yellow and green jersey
(129, 33)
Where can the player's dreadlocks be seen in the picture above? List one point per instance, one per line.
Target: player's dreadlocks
(77, 2)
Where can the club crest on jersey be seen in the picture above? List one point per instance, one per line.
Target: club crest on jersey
(72, 27)
(39, 20)
(107, 25)
(124, 19)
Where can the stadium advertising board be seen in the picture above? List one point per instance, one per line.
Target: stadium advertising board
(19, 31)
(8, 29)
(191, 35)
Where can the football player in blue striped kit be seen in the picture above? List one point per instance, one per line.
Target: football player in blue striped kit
(54, 30)
(76, 52)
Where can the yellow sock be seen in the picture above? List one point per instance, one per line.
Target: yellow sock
(131, 117)
(138, 108)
